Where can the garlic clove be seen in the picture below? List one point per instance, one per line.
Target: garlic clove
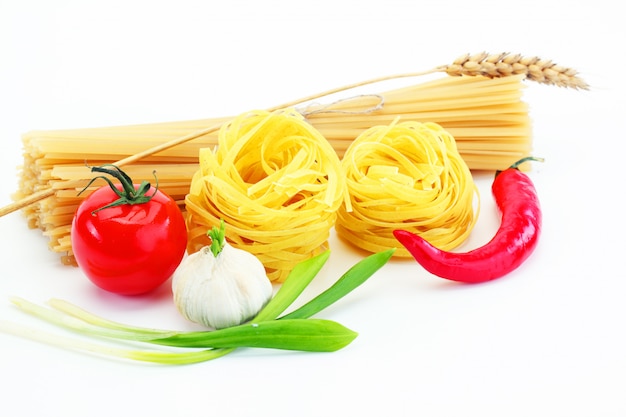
(221, 291)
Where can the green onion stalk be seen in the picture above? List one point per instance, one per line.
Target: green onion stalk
(271, 328)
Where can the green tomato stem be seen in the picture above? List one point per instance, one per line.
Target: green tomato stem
(128, 195)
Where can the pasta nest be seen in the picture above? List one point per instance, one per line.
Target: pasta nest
(408, 176)
(277, 184)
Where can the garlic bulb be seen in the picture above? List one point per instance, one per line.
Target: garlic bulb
(220, 286)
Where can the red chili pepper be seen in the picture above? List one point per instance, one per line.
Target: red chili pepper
(515, 240)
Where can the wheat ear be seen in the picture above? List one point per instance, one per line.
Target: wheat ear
(502, 65)
(492, 66)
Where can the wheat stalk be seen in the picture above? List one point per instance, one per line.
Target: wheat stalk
(482, 64)
(505, 64)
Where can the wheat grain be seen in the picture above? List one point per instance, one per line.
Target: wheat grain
(505, 64)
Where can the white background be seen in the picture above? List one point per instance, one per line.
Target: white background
(547, 340)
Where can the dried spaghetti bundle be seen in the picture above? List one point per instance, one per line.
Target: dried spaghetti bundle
(410, 176)
(479, 102)
(57, 160)
(275, 181)
(486, 116)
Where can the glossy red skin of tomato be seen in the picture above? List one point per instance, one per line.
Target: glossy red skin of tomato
(128, 249)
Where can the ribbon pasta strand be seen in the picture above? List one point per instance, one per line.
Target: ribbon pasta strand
(410, 176)
(277, 183)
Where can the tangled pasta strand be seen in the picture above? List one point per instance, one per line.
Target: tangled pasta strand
(409, 176)
(276, 182)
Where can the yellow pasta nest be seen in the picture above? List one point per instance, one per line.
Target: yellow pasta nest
(276, 182)
(409, 176)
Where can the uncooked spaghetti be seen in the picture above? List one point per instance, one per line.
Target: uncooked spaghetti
(487, 118)
(406, 175)
(479, 102)
(277, 184)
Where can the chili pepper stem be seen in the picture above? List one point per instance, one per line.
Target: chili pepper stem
(526, 159)
(517, 164)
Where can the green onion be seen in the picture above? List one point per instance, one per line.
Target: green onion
(293, 331)
(355, 276)
(74, 318)
(313, 335)
(159, 357)
(71, 316)
(297, 280)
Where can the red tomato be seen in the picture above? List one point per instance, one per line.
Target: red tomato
(128, 249)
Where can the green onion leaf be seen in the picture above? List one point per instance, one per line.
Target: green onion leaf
(312, 335)
(293, 331)
(297, 280)
(83, 322)
(158, 357)
(355, 276)
(79, 313)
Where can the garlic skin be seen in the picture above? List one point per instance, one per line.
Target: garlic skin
(220, 291)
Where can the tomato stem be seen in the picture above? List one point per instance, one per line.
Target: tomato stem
(218, 238)
(129, 195)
